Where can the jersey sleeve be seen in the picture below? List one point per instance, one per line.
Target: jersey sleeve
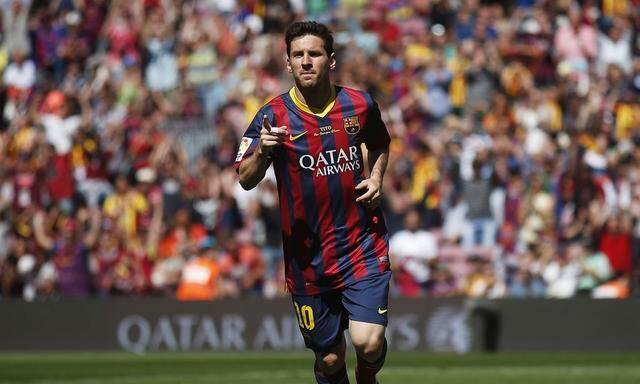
(251, 137)
(376, 135)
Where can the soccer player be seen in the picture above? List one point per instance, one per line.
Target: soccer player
(334, 237)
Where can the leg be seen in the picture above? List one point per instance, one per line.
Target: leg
(330, 366)
(322, 323)
(371, 349)
(366, 302)
(489, 232)
(468, 234)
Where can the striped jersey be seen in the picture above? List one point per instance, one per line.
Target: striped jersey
(329, 240)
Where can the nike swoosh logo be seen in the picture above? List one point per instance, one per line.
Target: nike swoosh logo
(296, 137)
(382, 311)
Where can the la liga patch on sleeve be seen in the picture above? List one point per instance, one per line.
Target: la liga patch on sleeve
(244, 145)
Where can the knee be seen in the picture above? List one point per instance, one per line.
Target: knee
(330, 362)
(370, 347)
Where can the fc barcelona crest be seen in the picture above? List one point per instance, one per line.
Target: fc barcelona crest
(351, 124)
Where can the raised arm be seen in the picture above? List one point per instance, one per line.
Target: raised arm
(91, 237)
(155, 228)
(253, 168)
(39, 232)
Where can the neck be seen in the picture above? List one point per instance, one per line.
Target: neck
(315, 98)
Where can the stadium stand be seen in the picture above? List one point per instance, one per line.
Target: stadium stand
(515, 125)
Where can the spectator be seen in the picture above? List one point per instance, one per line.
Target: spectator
(563, 272)
(20, 75)
(443, 283)
(615, 47)
(412, 251)
(595, 271)
(125, 205)
(60, 122)
(576, 40)
(200, 276)
(15, 21)
(481, 281)
(481, 229)
(615, 242)
(70, 246)
(243, 266)
(161, 73)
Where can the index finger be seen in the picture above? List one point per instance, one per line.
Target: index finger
(365, 196)
(362, 184)
(265, 123)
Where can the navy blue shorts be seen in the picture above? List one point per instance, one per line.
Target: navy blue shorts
(323, 318)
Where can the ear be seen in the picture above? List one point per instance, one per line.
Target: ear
(288, 63)
(332, 61)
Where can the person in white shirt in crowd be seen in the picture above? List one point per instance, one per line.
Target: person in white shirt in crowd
(20, 74)
(60, 122)
(614, 47)
(15, 25)
(563, 272)
(412, 250)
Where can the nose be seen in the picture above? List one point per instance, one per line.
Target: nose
(306, 61)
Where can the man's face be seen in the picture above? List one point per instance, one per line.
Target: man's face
(18, 57)
(122, 184)
(308, 61)
(412, 221)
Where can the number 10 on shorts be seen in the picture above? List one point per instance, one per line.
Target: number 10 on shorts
(305, 316)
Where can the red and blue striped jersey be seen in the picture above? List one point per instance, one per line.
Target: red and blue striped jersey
(329, 240)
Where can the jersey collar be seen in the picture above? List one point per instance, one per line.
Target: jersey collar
(305, 107)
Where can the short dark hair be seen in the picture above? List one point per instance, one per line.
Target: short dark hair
(302, 28)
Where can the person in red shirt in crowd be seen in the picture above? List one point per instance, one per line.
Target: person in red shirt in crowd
(615, 242)
(122, 30)
(105, 257)
(25, 188)
(242, 265)
(60, 182)
(89, 169)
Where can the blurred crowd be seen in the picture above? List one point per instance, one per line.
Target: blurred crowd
(515, 158)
